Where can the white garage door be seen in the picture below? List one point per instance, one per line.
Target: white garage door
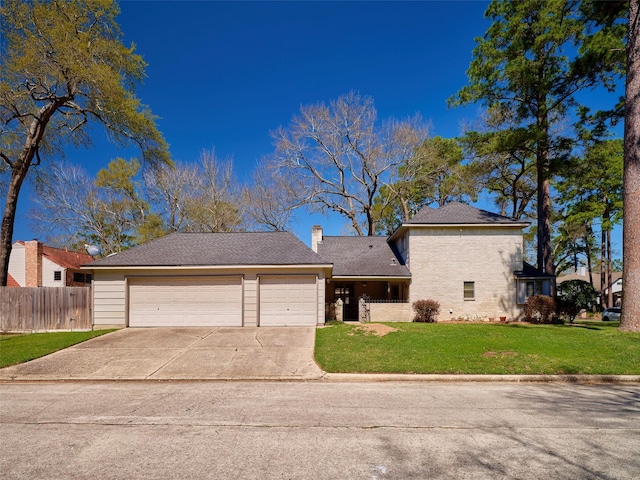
(288, 300)
(185, 302)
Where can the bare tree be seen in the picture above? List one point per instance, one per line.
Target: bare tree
(214, 205)
(270, 199)
(340, 157)
(169, 189)
(71, 208)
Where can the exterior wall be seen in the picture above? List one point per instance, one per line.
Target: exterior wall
(250, 300)
(16, 263)
(110, 301)
(48, 267)
(390, 312)
(443, 258)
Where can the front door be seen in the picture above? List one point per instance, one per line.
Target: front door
(345, 292)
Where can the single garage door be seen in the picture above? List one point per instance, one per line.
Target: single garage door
(288, 300)
(185, 302)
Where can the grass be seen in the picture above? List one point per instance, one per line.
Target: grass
(22, 348)
(582, 348)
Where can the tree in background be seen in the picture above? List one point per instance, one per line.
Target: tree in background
(435, 174)
(169, 188)
(502, 159)
(109, 211)
(63, 65)
(340, 156)
(591, 192)
(215, 204)
(270, 199)
(524, 64)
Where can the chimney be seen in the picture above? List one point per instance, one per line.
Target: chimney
(316, 237)
(32, 264)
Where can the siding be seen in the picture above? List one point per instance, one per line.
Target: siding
(16, 264)
(109, 299)
(250, 300)
(442, 259)
(48, 267)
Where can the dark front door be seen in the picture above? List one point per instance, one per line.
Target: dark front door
(345, 292)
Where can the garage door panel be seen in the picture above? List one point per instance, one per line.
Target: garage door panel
(288, 300)
(185, 301)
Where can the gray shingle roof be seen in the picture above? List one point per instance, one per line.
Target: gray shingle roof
(459, 213)
(216, 249)
(362, 257)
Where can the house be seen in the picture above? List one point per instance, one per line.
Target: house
(211, 279)
(33, 264)
(616, 283)
(469, 260)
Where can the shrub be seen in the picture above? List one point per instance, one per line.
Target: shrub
(540, 309)
(573, 296)
(426, 310)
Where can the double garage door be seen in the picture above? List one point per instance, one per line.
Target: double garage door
(218, 301)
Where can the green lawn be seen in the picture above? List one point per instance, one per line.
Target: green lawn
(22, 348)
(585, 348)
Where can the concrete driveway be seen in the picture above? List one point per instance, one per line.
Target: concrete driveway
(221, 353)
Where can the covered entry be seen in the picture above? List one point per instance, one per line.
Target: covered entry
(185, 301)
(288, 300)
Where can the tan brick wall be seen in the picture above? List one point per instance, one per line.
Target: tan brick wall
(442, 259)
(33, 263)
(390, 312)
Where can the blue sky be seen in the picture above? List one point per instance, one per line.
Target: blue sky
(222, 75)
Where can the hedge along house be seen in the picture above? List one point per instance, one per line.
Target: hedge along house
(211, 279)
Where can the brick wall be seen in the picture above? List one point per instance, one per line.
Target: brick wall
(443, 258)
(33, 263)
(390, 312)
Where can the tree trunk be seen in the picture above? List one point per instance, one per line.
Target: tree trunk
(603, 267)
(630, 319)
(19, 169)
(545, 258)
(587, 247)
(609, 273)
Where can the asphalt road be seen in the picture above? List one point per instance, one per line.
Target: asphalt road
(318, 430)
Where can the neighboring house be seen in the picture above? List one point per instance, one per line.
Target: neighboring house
(616, 283)
(211, 279)
(32, 264)
(467, 259)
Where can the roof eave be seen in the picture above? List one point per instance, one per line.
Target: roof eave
(204, 267)
(370, 277)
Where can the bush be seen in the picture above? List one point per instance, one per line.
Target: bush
(573, 296)
(540, 309)
(426, 310)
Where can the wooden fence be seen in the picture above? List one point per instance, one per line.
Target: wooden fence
(44, 309)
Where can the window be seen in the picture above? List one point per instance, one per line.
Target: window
(469, 290)
(88, 277)
(78, 277)
(57, 276)
(531, 289)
